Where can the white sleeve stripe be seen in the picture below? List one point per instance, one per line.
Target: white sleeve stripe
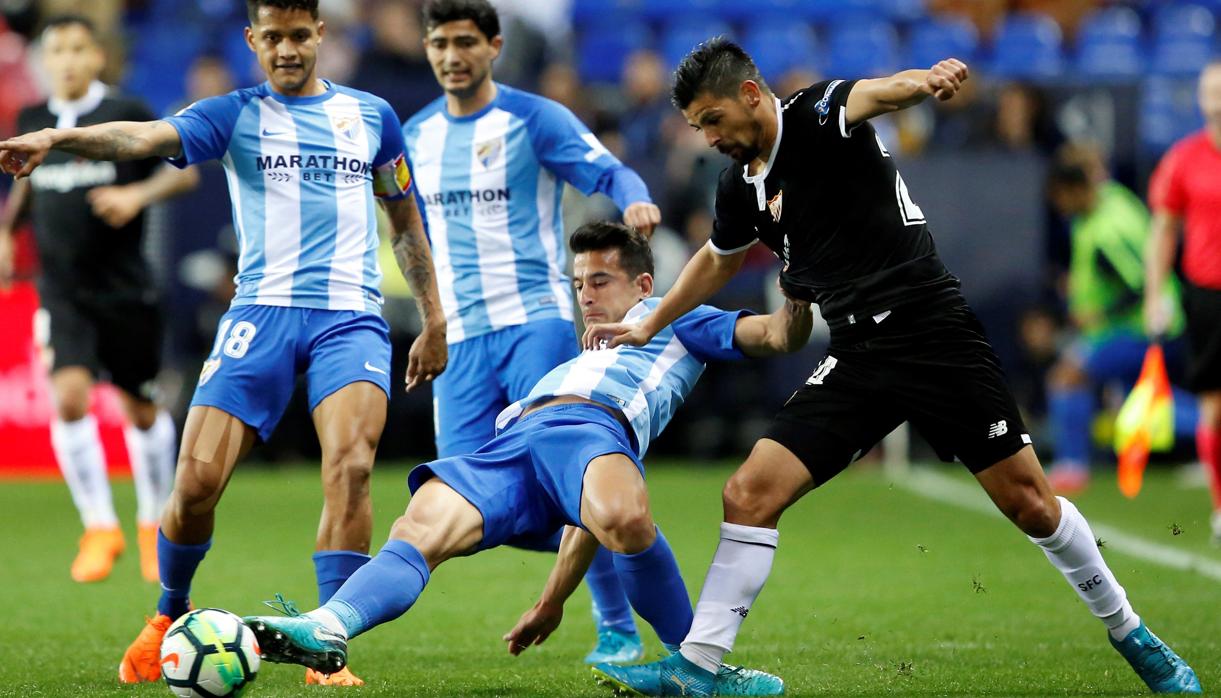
(736, 250)
(844, 130)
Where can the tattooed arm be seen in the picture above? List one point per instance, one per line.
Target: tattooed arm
(429, 353)
(117, 140)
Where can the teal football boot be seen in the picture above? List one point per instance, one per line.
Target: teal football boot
(672, 676)
(297, 639)
(739, 681)
(1157, 665)
(616, 647)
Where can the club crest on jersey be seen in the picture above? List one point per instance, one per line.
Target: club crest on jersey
(487, 151)
(209, 369)
(345, 124)
(776, 206)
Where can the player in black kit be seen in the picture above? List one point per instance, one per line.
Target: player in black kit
(815, 183)
(99, 294)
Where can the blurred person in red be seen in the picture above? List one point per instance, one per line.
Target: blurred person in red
(99, 293)
(1185, 195)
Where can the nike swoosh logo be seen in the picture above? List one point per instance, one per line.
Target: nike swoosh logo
(171, 657)
(269, 134)
(375, 369)
(325, 635)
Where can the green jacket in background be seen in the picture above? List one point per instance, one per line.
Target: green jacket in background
(1106, 278)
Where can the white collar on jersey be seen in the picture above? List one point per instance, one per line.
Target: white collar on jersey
(69, 111)
(759, 180)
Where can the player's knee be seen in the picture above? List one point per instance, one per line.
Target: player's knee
(628, 529)
(197, 485)
(748, 501)
(71, 402)
(1036, 514)
(346, 474)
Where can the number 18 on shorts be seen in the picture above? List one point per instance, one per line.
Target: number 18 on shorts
(259, 350)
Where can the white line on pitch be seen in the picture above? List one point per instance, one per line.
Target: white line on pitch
(934, 485)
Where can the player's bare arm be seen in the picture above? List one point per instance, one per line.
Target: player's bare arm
(429, 353)
(643, 216)
(1159, 258)
(705, 274)
(117, 140)
(577, 550)
(781, 332)
(18, 198)
(870, 98)
(117, 205)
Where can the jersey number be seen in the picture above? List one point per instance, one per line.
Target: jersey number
(820, 373)
(236, 343)
(911, 213)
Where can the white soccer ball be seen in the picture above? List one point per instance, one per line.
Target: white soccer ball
(209, 653)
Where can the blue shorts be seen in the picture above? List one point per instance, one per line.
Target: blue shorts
(1119, 357)
(260, 349)
(488, 373)
(527, 481)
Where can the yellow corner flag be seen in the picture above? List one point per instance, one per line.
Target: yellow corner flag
(1145, 422)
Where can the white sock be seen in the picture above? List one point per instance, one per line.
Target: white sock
(1073, 550)
(153, 453)
(739, 569)
(329, 619)
(78, 448)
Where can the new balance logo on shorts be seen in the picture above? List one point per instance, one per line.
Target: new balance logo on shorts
(999, 429)
(741, 611)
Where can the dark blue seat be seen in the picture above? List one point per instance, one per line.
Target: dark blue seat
(602, 50)
(861, 49)
(1028, 46)
(1109, 45)
(1168, 111)
(939, 38)
(686, 32)
(779, 46)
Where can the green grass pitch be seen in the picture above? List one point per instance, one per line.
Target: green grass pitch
(876, 590)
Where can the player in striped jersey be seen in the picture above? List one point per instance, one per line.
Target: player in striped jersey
(570, 453)
(305, 160)
(490, 166)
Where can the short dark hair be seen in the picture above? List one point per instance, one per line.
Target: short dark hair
(252, 7)
(481, 12)
(635, 255)
(717, 66)
(1067, 174)
(72, 20)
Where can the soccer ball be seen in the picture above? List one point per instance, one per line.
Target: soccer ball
(209, 653)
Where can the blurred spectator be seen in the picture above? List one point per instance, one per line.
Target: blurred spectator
(536, 33)
(208, 76)
(646, 93)
(560, 82)
(1024, 121)
(394, 67)
(1110, 228)
(20, 88)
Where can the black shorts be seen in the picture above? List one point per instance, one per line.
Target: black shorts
(936, 371)
(1203, 308)
(117, 341)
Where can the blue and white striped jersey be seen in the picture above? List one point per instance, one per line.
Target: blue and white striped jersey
(490, 187)
(303, 173)
(647, 384)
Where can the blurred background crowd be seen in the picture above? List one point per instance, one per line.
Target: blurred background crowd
(1058, 87)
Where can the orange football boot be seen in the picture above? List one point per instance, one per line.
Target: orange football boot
(99, 548)
(142, 660)
(343, 677)
(147, 538)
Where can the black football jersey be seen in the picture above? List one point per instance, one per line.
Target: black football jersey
(831, 204)
(82, 257)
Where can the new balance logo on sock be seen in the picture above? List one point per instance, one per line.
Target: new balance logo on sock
(741, 611)
(999, 429)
